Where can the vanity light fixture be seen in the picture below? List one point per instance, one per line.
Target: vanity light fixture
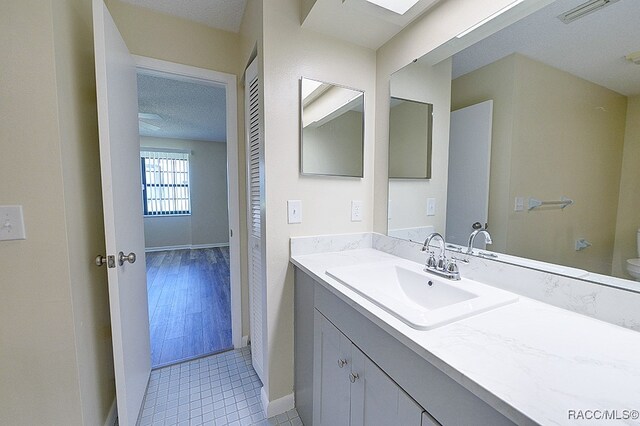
(489, 18)
(583, 10)
(397, 6)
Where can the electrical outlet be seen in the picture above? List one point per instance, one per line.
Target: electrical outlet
(431, 206)
(294, 211)
(356, 211)
(11, 223)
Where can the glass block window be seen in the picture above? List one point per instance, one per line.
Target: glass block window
(165, 183)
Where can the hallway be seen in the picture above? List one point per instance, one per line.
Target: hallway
(189, 304)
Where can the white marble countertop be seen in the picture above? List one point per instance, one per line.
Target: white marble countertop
(530, 361)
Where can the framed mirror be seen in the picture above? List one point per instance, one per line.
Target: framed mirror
(549, 112)
(410, 124)
(331, 129)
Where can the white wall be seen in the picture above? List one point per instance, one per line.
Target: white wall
(430, 84)
(208, 223)
(291, 52)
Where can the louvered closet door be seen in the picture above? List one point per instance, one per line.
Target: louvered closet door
(255, 191)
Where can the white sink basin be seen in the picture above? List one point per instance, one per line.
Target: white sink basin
(420, 299)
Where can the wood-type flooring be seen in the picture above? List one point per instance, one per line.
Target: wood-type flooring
(189, 304)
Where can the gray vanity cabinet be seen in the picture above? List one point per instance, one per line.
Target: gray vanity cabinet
(352, 390)
(334, 343)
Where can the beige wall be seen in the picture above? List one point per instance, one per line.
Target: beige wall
(55, 354)
(209, 220)
(291, 52)
(566, 138)
(496, 82)
(629, 201)
(431, 84)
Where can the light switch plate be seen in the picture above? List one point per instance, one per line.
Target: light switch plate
(11, 223)
(519, 204)
(431, 206)
(356, 211)
(294, 211)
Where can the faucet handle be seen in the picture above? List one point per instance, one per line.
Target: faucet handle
(431, 260)
(452, 267)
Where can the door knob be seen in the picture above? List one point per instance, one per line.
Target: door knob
(109, 260)
(353, 377)
(342, 363)
(131, 258)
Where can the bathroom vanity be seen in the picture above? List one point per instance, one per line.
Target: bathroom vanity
(520, 362)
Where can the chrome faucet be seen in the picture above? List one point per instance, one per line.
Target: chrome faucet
(443, 267)
(474, 234)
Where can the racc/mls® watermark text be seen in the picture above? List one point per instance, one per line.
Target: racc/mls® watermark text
(603, 415)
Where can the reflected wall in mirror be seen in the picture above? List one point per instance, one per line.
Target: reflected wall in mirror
(331, 129)
(564, 122)
(410, 125)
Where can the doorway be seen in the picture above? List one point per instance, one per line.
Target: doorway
(190, 195)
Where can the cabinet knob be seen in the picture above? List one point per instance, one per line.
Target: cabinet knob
(353, 377)
(342, 363)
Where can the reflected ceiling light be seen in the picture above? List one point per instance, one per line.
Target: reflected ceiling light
(397, 6)
(583, 10)
(489, 18)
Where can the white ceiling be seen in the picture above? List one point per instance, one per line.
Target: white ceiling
(360, 22)
(593, 47)
(188, 110)
(222, 14)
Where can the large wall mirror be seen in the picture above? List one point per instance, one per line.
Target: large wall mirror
(331, 129)
(536, 133)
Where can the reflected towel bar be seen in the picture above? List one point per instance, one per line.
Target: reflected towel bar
(563, 202)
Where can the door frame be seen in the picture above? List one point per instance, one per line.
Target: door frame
(229, 82)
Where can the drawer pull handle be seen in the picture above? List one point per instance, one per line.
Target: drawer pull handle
(353, 377)
(342, 363)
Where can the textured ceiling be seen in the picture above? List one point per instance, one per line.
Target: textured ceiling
(593, 47)
(188, 110)
(222, 14)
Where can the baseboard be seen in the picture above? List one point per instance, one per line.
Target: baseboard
(113, 414)
(185, 247)
(278, 406)
(245, 341)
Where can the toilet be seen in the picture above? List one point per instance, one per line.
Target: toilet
(633, 265)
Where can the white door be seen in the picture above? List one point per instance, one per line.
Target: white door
(255, 192)
(469, 165)
(117, 98)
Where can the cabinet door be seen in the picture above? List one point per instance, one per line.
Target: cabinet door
(376, 399)
(332, 362)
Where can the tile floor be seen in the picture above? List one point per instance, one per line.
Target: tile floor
(220, 389)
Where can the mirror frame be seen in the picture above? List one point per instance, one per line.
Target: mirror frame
(301, 141)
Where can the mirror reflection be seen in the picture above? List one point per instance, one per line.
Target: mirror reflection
(332, 129)
(410, 139)
(541, 144)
